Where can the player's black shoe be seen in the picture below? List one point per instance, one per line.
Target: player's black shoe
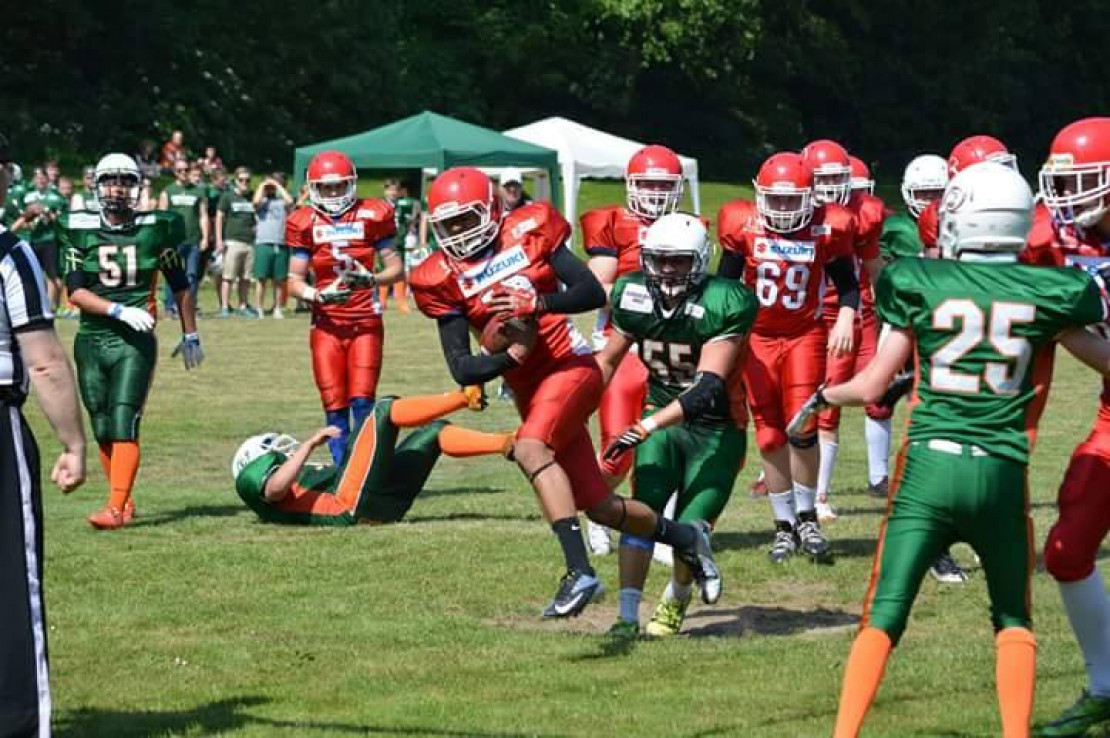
(811, 539)
(880, 490)
(576, 589)
(947, 571)
(702, 564)
(785, 544)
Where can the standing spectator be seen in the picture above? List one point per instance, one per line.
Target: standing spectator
(147, 199)
(211, 160)
(172, 150)
(214, 190)
(30, 353)
(147, 159)
(189, 201)
(235, 221)
(406, 211)
(53, 172)
(513, 195)
(65, 189)
(38, 210)
(86, 198)
(272, 203)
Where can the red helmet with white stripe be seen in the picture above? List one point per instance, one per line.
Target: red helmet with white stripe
(653, 182)
(464, 211)
(784, 193)
(832, 171)
(1075, 179)
(332, 180)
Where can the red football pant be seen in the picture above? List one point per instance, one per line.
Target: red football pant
(621, 406)
(346, 362)
(554, 409)
(781, 374)
(1084, 503)
(840, 369)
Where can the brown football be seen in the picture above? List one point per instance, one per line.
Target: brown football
(500, 333)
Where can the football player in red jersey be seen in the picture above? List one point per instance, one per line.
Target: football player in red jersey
(1073, 227)
(510, 267)
(832, 159)
(612, 235)
(339, 236)
(862, 181)
(783, 247)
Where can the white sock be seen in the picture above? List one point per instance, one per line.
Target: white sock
(782, 503)
(829, 452)
(878, 449)
(1088, 609)
(805, 498)
(676, 592)
(630, 604)
(762, 475)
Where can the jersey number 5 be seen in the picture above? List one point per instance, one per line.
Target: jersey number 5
(669, 361)
(1002, 377)
(795, 279)
(111, 273)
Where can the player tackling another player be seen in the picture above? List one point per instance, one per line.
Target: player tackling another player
(983, 327)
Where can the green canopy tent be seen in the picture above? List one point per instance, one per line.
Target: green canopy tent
(432, 141)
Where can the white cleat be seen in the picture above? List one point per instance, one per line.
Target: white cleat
(825, 511)
(663, 554)
(598, 538)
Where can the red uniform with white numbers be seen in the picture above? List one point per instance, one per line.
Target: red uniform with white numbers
(1084, 520)
(559, 385)
(787, 359)
(870, 213)
(616, 232)
(346, 340)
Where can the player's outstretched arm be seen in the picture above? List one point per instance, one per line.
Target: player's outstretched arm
(610, 357)
(281, 481)
(870, 384)
(1089, 348)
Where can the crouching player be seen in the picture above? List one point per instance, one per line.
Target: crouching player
(691, 330)
(983, 328)
(376, 481)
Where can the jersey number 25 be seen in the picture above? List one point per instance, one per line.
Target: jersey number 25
(1002, 377)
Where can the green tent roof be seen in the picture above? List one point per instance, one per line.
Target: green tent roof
(430, 140)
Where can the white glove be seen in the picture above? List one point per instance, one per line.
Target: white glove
(191, 352)
(815, 404)
(136, 318)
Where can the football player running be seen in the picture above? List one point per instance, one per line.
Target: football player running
(1072, 227)
(612, 236)
(377, 480)
(691, 329)
(508, 268)
(112, 258)
(782, 247)
(339, 237)
(832, 173)
(983, 327)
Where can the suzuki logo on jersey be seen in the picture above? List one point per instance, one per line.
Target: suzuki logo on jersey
(775, 249)
(495, 270)
(331, 232)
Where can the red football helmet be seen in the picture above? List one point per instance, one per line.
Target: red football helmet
(784, 193)
(1075, 180)
(331, 182)
(861, 176)
(653, 182)
(832, 171)
(464, 211)
(976, 149)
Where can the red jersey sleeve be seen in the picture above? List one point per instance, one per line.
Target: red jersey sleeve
(378, 218)
(840, 236)
(1040, 248)
(297, 229)
(597, 233)
(434, 289)
(928, 225)
(731, 220)
(539, 227)
(869, 227)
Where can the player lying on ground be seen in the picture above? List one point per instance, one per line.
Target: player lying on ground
(983, 328)
(377, 480)
(112, 258)
(492, 269)
(691, 329)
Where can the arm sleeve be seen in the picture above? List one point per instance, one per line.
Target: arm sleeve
(24, 286)
(731, 265)
(465, 367)
(843, 274)
(583, 292)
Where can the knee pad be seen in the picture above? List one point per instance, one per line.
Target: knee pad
(1064, 563)
(807, 442)
(636, 542)
(879, 412)
(770, 439)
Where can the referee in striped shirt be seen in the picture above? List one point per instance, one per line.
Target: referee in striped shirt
(30, 356)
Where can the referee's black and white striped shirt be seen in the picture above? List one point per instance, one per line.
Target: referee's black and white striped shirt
(24, 305)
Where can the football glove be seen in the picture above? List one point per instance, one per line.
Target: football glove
(632, 437)
(136, 318)
(899, 387)
(522, 303)
(336, 293)
(476, 397)
(815, 404)
(360, 278)
(191, 352)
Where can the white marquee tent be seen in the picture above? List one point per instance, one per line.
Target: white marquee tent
(588, 152)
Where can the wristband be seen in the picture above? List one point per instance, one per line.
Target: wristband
(518, 360)
(650, 425)
(308, 294)
(191, 337)
(115, 310)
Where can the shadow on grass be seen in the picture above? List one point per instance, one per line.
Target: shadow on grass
(841, 547)
(216, 718)
(608, 647)
(766, 620)
(194, 511)
(449, 491)
(457, 516)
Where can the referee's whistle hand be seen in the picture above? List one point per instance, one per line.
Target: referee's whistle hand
(69, 471)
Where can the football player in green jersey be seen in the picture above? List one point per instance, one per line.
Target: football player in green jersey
(983, 328)
(39, 208)
(691, 329)
(923, 183)
(112, 258)
(406, 211)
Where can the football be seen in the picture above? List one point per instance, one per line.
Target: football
(500, 333)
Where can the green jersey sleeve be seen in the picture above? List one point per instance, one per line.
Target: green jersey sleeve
(621, 318)
(734, 308)
(895, 299)
(251, 482)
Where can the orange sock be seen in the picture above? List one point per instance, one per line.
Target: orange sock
(125, 465)
(1015, 674)
(400, 295)
(862, 677)
(106, 459)
(463, 442)
(383, 294)
(409, 412)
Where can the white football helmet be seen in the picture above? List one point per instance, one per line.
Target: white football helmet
(115, 169)
(258, 446)
(924, 181)
(674, 235)
(985, 214)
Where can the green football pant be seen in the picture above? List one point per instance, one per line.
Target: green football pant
(945, 493)
(114, 371)
(697, 462)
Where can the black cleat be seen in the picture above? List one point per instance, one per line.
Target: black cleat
(811, 539)
(785, 544)
(880, 490)
(947, 571)
(576, 589)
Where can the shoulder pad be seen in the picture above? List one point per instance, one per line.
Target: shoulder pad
(373, 208)
(836, 217)
(735, 216)
(431, 272)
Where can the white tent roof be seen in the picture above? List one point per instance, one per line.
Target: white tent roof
(588, 152)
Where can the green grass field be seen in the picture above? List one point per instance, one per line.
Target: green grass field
(197, 620)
